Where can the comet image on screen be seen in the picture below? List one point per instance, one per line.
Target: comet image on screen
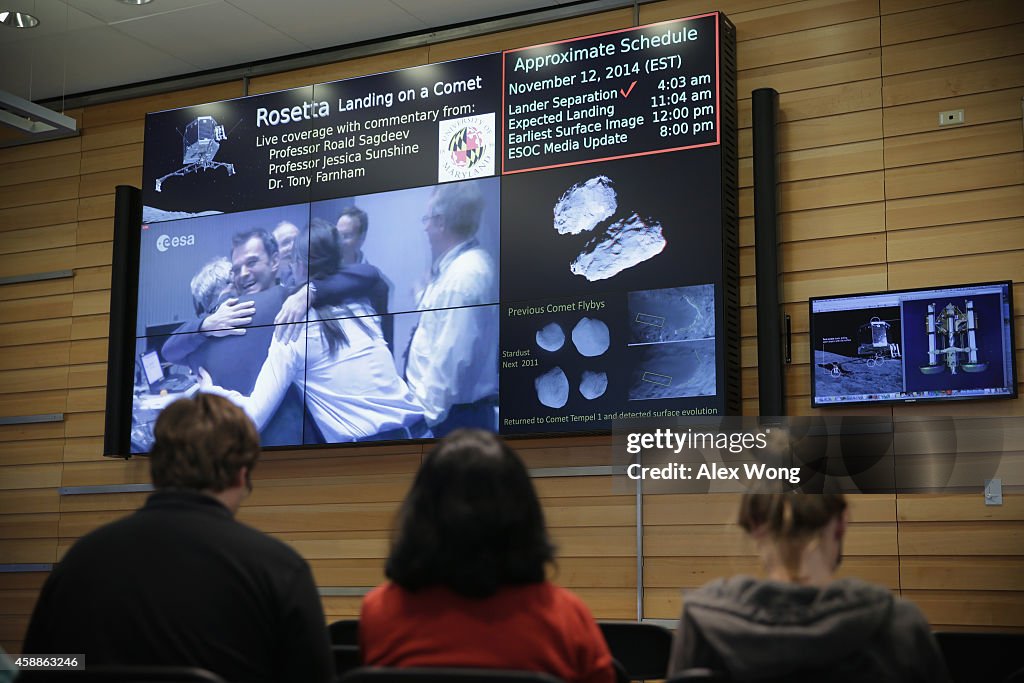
(552, 388)
(624, 243)
(672, 342)
(585, 205)
(550, 337)
(593, 384)
(591, 337)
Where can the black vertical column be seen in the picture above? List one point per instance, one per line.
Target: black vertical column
(124, 283)
(771, 386)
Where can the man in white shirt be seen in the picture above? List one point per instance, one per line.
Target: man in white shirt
(285, 234)
(452, 366)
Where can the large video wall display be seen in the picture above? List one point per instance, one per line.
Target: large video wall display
(531, 242)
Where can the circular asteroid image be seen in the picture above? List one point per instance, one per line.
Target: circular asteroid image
(552, 388)
(550, 337)
(593, 384)
(590, 337)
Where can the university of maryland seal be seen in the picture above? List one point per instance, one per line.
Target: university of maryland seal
(465, 148)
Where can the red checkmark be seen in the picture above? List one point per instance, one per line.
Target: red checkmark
(625, 93)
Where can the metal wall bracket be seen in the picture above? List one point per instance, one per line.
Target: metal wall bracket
(993, 492)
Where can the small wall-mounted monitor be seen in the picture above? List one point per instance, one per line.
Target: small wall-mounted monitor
(941, 343)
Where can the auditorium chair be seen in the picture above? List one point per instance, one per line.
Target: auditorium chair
(123, 674)
(344, 632)
(641, 649)
(374, 674)
(700, 676)
(346, 658)
(981, 656)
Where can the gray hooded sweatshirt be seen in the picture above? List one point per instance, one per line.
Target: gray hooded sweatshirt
(849, 630)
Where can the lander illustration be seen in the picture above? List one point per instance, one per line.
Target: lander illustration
(874, 365)
(957, 329)
(200, 142)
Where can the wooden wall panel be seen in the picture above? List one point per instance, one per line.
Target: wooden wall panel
(959, 143)
(951, 19)
(327, 73)
(28, 193)
(542, 33)
(874, 195)
(962, 79)
(114, 135)
(795, 46)
(960, 207)
(985, 107)
(39, 288)
(44, 168)
(136, 109)
(947, 240)
(36, 215)
(46, 149)
(32, 239)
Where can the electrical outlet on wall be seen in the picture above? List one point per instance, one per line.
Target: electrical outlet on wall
(953, 117)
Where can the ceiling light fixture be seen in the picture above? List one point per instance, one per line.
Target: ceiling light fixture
(33, 118)
(17, 19)
(136, 2)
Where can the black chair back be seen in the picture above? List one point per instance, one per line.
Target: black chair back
(344, 632)
(346, 658)
(700, 676)
(642, 649)
(373, 674)
(981, 656)
(1016, 677)
(124, 674)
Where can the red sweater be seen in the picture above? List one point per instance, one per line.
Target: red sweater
(534, 627)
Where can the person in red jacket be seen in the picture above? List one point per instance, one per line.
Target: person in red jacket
(468, 568)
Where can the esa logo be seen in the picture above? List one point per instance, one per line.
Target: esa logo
(165, 242)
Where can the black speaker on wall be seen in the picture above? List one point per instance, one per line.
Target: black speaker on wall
(124, 278)
(771, 385)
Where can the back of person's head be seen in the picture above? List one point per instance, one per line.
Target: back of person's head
(471, 522)
(318, 247)
(209, 284)
(790, 522)
(460, 205)
(201, 444)
(358, 215)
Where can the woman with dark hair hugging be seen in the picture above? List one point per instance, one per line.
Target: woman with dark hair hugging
(339, 361)
(467, 568)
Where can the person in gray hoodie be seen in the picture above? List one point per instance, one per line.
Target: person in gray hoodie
(800, 623)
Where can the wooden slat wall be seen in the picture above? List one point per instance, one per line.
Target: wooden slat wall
(874, 196)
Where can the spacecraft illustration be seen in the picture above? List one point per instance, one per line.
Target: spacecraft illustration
(957, 329)
(874, 339)
(200, 143)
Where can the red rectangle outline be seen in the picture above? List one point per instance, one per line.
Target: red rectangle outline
(718, 96)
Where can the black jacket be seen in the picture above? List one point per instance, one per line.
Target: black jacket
(180, 582)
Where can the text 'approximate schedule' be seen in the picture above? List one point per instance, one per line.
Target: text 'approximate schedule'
(623, 93)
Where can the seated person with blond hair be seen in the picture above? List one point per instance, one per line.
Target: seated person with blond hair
(467, 569)
(801, 623)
